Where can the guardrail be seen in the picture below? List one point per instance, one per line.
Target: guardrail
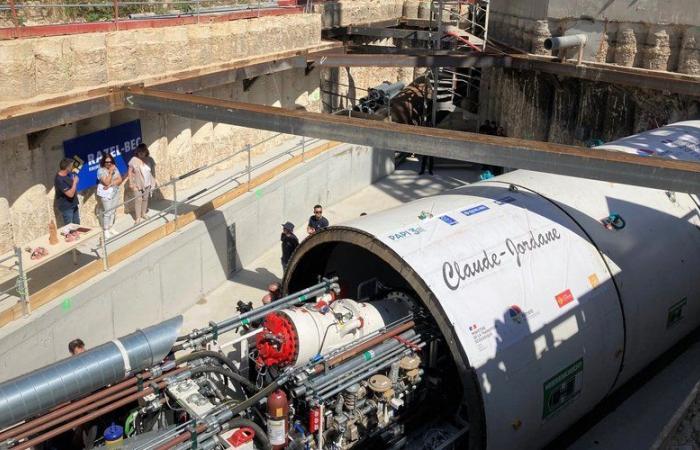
(170, 213)
(25, 18)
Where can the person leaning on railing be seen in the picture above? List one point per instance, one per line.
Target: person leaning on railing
(108, 181)
(141, 180)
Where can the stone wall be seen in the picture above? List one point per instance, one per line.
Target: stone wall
(657, 46)
(571, 111)
(178, 145)
(34, 68)
(62, 64)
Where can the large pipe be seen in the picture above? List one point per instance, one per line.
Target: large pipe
(573, 40)
(68, 379)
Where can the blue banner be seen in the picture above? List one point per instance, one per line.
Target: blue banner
(119, 141)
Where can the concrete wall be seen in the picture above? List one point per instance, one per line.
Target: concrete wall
(28, 163)
(173, 274)
(62, 64)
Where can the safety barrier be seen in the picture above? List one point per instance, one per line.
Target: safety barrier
(32, 19)
(173, 215)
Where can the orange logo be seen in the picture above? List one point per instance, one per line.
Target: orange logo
(593, 280)
(564, 298)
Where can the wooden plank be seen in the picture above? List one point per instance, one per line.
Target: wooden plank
(70, 281)
(93, 269)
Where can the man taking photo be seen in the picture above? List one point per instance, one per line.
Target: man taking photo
(66, 185)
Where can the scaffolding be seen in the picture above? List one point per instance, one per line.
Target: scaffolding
(465, 25)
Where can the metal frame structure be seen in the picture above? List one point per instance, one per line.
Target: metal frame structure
(659, 173)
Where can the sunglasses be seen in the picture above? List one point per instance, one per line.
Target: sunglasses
(109, 162)
(318, 212)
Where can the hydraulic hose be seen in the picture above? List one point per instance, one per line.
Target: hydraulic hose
(227, 373)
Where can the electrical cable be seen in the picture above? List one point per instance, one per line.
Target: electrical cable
(227, 373)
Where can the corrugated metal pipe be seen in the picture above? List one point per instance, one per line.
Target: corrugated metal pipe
(73, 377)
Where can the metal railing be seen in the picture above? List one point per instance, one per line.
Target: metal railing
(22, 281)
(176, 204)
(18, 14)
(21, 286)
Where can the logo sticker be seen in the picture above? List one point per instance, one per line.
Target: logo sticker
(475, 210)
(562, 389)
(564, 298)
(516, 314)
(593, 280)
(448, 220)
(504, 200)
(412, 231)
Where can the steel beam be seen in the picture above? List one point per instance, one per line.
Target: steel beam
(369, 60)
(200, 82)
(660, 81)
(420, 35)
(393, 57)
(42, 118)
(605, 165)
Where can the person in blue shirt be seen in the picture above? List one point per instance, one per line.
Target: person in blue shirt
(317, 221)
(66, 185)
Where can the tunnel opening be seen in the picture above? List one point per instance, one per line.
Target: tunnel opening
(369, 271)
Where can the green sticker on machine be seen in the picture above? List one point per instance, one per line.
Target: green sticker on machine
(675, 312)
(562, 389)
(66, 304)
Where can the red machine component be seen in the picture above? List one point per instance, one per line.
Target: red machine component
(277, 419)
(314, 420)
(279, 343)
(241, 437)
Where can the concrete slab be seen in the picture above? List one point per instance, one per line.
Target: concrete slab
(638, 421)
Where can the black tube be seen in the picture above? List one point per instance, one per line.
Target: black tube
(207, 354)
(260, 435)
(227, 373)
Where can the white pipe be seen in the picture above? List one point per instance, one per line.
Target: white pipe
(556, 43)
(241, 338)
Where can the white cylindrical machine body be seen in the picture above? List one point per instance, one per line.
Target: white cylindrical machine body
(680, 140)
(320, 333)
(545, 309)
(306, 332)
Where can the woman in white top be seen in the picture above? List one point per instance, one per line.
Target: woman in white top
(142, 181)
(108, 181)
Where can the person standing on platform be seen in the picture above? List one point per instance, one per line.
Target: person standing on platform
(66, 185)
(289, 243)
(428, 161)
(108, 181)
(317, 221)
(142, 181)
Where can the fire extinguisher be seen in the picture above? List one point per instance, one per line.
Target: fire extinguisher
(277, 419)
